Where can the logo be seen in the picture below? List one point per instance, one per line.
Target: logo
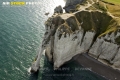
(20, 3)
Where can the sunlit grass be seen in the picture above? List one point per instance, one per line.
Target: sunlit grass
(113, 1)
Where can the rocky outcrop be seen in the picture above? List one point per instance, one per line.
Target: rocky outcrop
(71, 5)
(58, 9)
(92, 31)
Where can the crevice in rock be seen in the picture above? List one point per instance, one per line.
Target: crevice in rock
(100, 52)
(52, 46)
(94, 39)
(82, 37)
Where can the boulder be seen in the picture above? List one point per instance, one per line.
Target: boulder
(58, 9)
(71, 5)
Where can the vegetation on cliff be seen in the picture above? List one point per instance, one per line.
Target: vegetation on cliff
(103, 16)
(113, 1)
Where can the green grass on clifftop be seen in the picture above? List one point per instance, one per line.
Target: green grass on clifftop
(113, 1)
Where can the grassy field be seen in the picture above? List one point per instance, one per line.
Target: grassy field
(113, 1)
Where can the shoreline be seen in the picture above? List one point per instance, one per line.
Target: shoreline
(97, 67)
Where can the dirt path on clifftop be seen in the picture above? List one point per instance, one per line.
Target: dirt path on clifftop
(87, 5)
(97, 67)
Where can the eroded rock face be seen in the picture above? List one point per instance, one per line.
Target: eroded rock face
(106, 50)
(64, 48)
(91, 31)
(116, 60)
(63, 38)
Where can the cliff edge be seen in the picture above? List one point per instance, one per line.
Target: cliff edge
(92, 26)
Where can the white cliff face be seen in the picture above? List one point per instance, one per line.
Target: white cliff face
(36, 64)
(67, 47)
(106, 49)
(95, 50)
(88, 38)
(116, 60)
(64, 49)
(103, 49)
(67, 36)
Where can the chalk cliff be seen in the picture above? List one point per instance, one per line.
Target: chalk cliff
(93, 28)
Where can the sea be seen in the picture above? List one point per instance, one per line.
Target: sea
(21, 32)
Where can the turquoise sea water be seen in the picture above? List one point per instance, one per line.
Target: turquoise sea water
(21, 32)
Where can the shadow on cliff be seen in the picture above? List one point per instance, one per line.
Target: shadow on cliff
(70, 71)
